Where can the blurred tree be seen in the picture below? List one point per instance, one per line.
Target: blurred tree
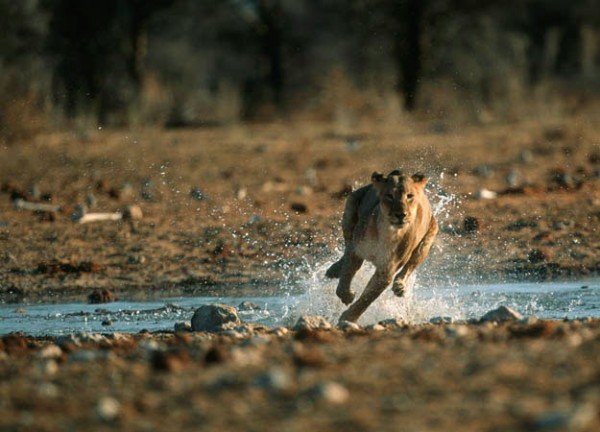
(99, 48)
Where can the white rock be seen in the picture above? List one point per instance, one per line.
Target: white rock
(50, 352)
(485, 194)
(108, 408)
(501, 314)
(330, 392)
(349, 326)
(311, 322)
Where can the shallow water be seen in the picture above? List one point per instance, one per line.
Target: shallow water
(546, 300)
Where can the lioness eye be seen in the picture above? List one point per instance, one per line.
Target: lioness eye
(410, 196)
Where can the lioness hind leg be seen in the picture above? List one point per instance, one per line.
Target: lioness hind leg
(416, 259)
(377, 284)
(350, 265)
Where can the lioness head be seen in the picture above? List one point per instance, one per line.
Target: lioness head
(399, 195)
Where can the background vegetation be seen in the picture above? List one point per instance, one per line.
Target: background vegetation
(191, 62)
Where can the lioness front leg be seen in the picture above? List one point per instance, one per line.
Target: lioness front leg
(350, 265)
(377, 284)
(417, 257)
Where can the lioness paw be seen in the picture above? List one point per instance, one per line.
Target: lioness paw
(399, 288)
(346, 296)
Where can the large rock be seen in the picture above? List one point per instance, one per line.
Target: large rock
(501, 314)
(311, 322)
(214, 318)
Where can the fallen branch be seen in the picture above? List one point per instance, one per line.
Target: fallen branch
(81, 215)
(21, 204)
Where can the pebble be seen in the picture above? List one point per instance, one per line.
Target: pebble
(485, 194)
(299, 207)
(280, 331)
(330, 392)
(312, 322)
(501, 314)
(248, 306)
(471, 224)
(349, 326)
(392, 322)
(183, 327)
(90, 356)
(213, 318)
(108, 408)
(580, 418)
(441, 320)
(90, 200)
(376, 327)
(483, 171)
(50, 352)
(526, 156)
(276, 379)
(197, 194)
(513, 178)
(132, 212)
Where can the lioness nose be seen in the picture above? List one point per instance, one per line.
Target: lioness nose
(401, 215)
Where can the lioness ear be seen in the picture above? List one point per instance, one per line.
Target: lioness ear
(377, 177)
(419, 179)
(378, 181)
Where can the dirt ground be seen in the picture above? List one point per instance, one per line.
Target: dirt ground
(245, 206)
(535, 376)
(234, 210)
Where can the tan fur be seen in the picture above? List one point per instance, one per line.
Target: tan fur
(390, 224)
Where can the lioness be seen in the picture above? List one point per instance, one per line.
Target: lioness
(389, 223)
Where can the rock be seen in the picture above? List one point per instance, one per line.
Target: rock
(299, 207)
(441, 320)
(501, 314)
(329, 392)
(50, 352)
(280, 331)
(90, 200)
(183, 327)
(392, 323)
(485, 194)
(136, 259)
(101, 296)
(376, 327)
(483, 171)
(349, 326)
(276, 379)
(34, 191)
(513, 178)
(90, 356)
(311, 322)
(108, 408)
(197, 194)
(248, 306)
(471, 224)
(213, 318)
(580, 418)
(107, 322)
(537, 256)
(132, 212)
(526, 156)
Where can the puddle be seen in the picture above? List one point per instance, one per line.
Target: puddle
(553, 300)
